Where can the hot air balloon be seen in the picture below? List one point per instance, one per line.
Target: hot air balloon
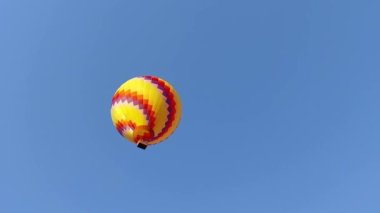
(145, 110)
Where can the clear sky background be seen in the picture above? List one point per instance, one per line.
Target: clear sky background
(280, 106)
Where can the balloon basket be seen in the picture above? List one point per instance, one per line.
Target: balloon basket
(141, 145)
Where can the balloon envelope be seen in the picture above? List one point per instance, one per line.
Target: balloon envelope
(145, 110)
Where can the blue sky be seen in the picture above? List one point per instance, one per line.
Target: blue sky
(280, 106)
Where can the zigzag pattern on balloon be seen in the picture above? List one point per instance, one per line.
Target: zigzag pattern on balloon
(137, 100)
(142, 133)
(169, 100)
(121, 125)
